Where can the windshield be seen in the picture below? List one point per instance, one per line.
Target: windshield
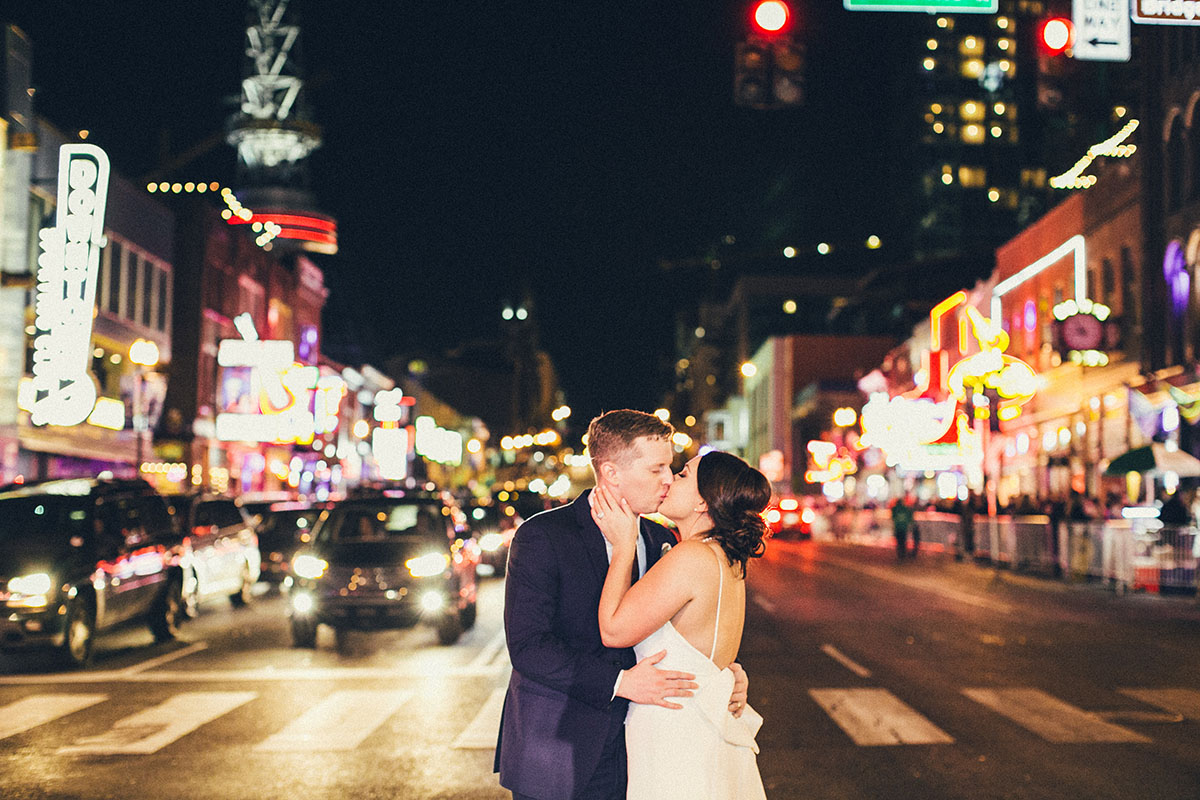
(43, 522)
(383, 522)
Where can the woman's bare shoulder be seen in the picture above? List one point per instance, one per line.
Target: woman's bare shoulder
(689, 554)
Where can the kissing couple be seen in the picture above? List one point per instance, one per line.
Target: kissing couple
(623, 639)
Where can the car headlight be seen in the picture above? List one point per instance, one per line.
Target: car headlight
(309, 566)
(433, 601)
(428, 565)
(491, 542)
(30, 591)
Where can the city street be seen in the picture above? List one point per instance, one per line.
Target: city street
(930, 679)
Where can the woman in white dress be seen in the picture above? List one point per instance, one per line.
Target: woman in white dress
(693, 605)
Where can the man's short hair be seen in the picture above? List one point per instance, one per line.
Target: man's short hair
(611, 435)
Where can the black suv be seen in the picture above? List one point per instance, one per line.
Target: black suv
(81, 555)
(388, 561)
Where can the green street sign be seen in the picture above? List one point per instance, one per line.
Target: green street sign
(928, 6)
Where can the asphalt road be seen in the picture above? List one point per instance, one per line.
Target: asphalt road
(932, 680)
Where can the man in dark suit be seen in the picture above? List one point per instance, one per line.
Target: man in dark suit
(562, 733)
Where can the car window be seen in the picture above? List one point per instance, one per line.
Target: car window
(122, 522)
(384, 522)
(154, 514)
(49, 521)
(221, 513)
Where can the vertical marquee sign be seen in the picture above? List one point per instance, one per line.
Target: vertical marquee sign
(64, 391)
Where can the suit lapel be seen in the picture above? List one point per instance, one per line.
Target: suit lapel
(591, 539)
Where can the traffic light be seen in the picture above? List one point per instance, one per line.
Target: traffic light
(769, 64)
(1055, 35)
(771, 17)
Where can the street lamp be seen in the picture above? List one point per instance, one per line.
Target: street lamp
(144, 354)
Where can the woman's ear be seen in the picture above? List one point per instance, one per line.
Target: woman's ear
(702, 507)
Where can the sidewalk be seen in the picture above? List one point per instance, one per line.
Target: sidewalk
(934, 566)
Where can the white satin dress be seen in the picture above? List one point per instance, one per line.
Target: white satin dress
(700, 751)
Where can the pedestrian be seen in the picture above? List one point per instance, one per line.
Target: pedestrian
(966, 529)
(902, 521)
(562, 730)
(1177, 510)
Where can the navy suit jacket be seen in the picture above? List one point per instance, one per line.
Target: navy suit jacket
(559, 703)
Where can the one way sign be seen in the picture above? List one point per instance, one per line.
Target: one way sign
(1101, 30)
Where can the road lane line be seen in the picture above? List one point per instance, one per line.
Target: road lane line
(259, 674)
(488, 652)
(1050, 718)
(152, 729)
(151, 663)
(1179, 701)
(928, 585)
(480, 734)
(338, 723)
(845, 661)
(873, 717)
(29, 712)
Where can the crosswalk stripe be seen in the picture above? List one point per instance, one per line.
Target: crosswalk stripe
(29, 712)
(1181, 701)
(1052, 719)
(481, 733)
(877, 717)
(339, 722)
(150, 730)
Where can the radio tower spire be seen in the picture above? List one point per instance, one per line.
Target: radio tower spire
(274, 135)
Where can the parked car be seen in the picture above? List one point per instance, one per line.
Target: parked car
(282, 528)
(219, 549)
(387, 561)
(493, 525)
(80, 556)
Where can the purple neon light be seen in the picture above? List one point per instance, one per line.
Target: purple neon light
(1178, 281)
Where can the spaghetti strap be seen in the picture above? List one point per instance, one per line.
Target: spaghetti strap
(720, 590)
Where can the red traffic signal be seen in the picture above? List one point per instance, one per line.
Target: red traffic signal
(771, 17)
(1056, 35)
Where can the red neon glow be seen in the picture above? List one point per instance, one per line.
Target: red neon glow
(309, 236)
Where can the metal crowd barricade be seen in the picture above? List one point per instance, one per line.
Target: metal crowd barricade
(1164, 559)
(938, 530)
(1024, 543)
(1098, 550)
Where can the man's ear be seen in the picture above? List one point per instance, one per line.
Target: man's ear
(608, 471)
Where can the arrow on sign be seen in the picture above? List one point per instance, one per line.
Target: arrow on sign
(1094, 42)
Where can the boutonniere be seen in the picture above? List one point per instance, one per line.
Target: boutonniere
(666, 546)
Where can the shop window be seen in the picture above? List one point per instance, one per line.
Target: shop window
(972, 68)
(971, 46)
(1035, 178)
(115, 259)
(145, 290)
(972, 111)
(972, 177)
(129, 296)
(164, 301)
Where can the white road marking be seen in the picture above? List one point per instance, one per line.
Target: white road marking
(845, 661)
(151, 663)
(29, 712)
(481, 733)
(1179, 701)
(262, 674)
(339, 722)
(489, 652)
(150, 730)
(1052, 719)
(874, 717)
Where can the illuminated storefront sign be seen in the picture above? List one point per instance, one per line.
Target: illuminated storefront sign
(267, 397)
(437, 443)
(63, 391)
(390, 448)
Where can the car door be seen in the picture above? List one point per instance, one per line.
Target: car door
(210, 560)
(129, 563)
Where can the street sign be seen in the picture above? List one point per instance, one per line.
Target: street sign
(1101, 30)
(927, 6)
(1166, 12)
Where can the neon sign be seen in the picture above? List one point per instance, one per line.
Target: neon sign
(63, 390)
(437, 443)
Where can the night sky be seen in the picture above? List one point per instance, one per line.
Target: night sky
(480, 151)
